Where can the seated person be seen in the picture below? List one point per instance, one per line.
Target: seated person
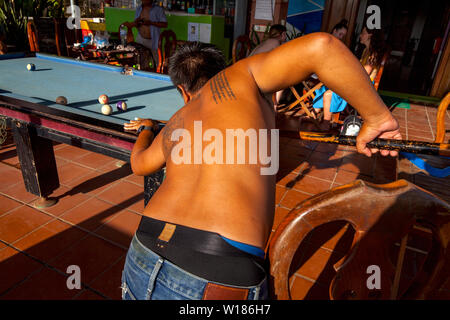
(340, 29)
(203, 233)
(277, 36)
(149, 19)
(371, 61)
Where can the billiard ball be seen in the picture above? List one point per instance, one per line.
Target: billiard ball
(121, 106)
(31, 67)
(103, 99)
(61, 100)
(106, 109)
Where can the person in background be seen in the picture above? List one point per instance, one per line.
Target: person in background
(277, 36)
(340, 29)
(375, 48)
(149, 19)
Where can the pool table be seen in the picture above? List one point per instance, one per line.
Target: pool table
(27, 104)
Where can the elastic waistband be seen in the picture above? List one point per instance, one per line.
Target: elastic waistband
(202, 253)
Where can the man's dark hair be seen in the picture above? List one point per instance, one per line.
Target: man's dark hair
(276, 30)
(341, 24)
(194, 63)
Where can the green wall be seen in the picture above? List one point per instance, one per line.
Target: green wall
(114, 17)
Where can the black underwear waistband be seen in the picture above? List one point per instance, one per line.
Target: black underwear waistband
(202, 253)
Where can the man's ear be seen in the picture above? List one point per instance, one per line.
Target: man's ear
(186, 95)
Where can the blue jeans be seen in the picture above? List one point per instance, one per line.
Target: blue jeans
(148, 276)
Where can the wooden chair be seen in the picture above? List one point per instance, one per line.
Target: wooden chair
(45, 35)
(440, 119)
(241, 48)
(305, 101)
(167, 44)
(381, 216)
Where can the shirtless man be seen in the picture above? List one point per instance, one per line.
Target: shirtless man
(149, 20)
(204, 231)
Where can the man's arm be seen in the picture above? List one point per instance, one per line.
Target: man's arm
(338, 69)
(147, 155)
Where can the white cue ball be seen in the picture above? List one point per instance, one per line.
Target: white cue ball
(106, 109)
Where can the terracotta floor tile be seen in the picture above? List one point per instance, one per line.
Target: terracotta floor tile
(7, 204)
(315, 263)
(92, 254)
(15, 267)
(135, 179)
(9, 176)
(280, 214)
(109, 283)
(91, 214)
(311, 185)
(124, 194)
(68, 198)
(20, 222)
(293, 197)
(47, 284)
(358, 163)
(345, 177)
(303, 289)
(420, 133)
(95, 160)
(10, 157)
(69, 152)
(121, 228)
(18, 192)
(97, 181)
(322, 171)
(50, 240)
(72, 171)
(279, 193)
(419, 138)
(287, 180)
(337, 236)
(326, 148)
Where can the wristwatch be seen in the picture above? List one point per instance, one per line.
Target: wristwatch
(150, 128)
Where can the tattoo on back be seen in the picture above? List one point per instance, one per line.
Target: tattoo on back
(221, 89)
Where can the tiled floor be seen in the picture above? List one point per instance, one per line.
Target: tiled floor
(100, 202)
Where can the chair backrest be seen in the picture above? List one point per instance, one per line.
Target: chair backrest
(380, 70)
(44, 35)
(167, 44)
(241, 48)
(381, 216)
(440, 119)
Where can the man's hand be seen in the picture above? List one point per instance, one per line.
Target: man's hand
(138, 122)
(384, 128)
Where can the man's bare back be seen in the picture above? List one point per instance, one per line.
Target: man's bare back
(236, 200)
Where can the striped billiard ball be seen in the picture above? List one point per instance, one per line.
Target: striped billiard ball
(121, 106)
(31, 67)
(103, 99)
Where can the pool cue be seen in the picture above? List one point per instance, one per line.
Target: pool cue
(411, 146)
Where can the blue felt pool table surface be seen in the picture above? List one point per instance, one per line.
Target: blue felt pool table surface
(148, 95)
